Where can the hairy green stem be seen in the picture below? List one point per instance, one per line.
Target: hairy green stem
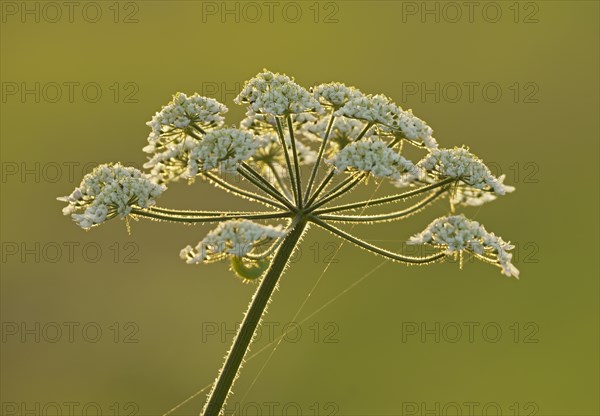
(296, 162)
(261, 185)
(241, 192)
(384, 217)
(387, 199)
(378, 250)
(191, 213)
(284, 189)
(321, 187)
(243, 338)
(194, 220)
(315, 168)
(339, 190)
(273, 191)
(288, 162)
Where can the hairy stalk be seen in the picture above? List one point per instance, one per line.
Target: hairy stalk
(241, 192)
(387, 199)
(321, 187)
(284, 189)
(192, 213)
(245, 333)
(195, 220)
(378, 250)
(265, 188)
(273, 191)
(288, 162)
(345, 186)
(331, 173)
(315, 169)
(384, 217)
(296, 162)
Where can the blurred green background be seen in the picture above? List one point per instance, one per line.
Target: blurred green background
(117, 323)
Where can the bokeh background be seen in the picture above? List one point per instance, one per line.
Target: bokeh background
(107, 322)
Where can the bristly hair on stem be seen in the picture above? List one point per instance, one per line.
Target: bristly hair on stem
(332, 130)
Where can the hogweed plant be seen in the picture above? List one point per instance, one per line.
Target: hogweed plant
(301, 150)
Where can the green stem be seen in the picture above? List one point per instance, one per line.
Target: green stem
(315, 168)
(296, 163)
(378, 250)
(321, 187)
(248, 175)
(241, 192)
(340, 189)
(383, 217)
(243, 338)
(288, 162)
(194, 220)
(386, 199)
(279, 181)
(191, 213)
(273, 191)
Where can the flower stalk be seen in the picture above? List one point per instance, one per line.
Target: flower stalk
(247, 329)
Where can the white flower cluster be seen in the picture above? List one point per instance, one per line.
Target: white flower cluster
(231, 238)
(223, 149)
(171, 163)
(109, 191)
(461, 164)
(184, 111)
(414, 128)
(458, 233)
(374, 156)
(473, 197)
(371, 108)
(276, 94)
(379, 109)
(335, 94)
(169, 143)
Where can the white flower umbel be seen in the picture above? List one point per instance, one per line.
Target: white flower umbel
(335, 94)
(414, 128)
(460, 164)
(374, 156)
(379, 109)
(109, 191)
(171, 163)
(457, 234)
(276, 94)
(375, 109)
(236, 238)
(223, 149)
(183, 114)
